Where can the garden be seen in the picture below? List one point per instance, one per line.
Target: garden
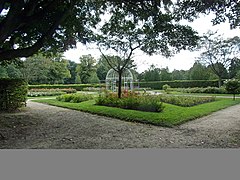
(158, 109)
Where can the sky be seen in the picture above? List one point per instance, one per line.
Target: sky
(181, 61)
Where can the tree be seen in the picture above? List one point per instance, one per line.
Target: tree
(78, 79)
(223, 10)
(54, 26)
(44, 70)
(102, 68)
(198, 72)
(3, 72)
(86, 67)
(233, 86)
(151, 28)
(71, 65)
(58, 70)
(30, 26)
(234, 68)
(218, 53)
(165, 75)
(179, 75)
(13, 71)
(93, 78)
(152, 74)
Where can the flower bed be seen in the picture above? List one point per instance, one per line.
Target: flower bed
(50, 92)
(75, 98)
(131, 100)
(185, 101)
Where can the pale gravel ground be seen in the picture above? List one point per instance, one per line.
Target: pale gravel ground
(42, 126)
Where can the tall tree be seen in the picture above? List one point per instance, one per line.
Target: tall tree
(179, 75)
(234, 68)
(86, 68)
(165, 75)
(152, 29)
(103, 68)
(218, 53)
(29, 26)
(198, 72)
(39, 69)
(71, 65)
(152, 74)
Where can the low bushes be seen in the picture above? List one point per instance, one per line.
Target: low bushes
(78, 87)
(131, 100)
(94, 89)
(13, 94)
(179, 84)
(185, 101)
(49, 92)
(211, 90)
(75, 98)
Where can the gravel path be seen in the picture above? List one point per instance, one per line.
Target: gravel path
(42, 126)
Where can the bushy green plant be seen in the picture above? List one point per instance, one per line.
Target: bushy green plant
(211, 90)
(179, 84)
(78, 87)
(166, 88)
(13, 94)
(185, 101)
(131, 100)
(75, 98)
(50, 92)
(233, 87)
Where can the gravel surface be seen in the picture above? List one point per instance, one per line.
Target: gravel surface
(41, 126)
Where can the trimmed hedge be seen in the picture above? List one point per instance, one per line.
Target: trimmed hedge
(78, 87)
(13, 94)
(179, 84)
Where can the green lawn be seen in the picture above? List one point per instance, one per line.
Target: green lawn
(171, 115)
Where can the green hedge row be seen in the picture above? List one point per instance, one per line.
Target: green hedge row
(78, 87)
(13, 94)
(179, 84)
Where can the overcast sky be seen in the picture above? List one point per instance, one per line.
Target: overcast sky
(183, 60)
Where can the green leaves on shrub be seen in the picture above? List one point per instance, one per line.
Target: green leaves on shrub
(75, 98)
(179, 84)
(131, 101)
(211, 90)
(50, 92)
(13, 93)
(78, 87)
(185, 101)
(166, 88)
(233, 86)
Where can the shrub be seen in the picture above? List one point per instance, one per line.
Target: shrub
(78, 87)
(94, 89)
(49, 92)
(211, 90)
(233, 87)
(75, 98)
(179, 84)
(185, 101)
(131, 100)
(13, 94)
(166, 88)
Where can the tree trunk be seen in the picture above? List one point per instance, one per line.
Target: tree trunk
(119, 84)
(219, 82)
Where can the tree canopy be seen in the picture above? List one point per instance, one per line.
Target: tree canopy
(29, 26)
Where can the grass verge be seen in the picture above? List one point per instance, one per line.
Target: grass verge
(172, 115)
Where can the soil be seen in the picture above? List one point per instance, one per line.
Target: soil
(41, 126)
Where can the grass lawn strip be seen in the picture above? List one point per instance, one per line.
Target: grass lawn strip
(172, 115)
